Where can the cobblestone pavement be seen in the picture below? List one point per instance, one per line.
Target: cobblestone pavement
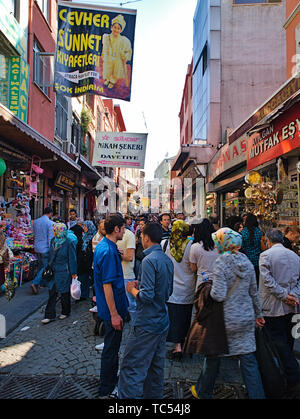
(67, 347)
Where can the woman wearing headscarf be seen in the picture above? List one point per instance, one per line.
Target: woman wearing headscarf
(180, 304)
(234, 284)
(85, 258)
(62, 258)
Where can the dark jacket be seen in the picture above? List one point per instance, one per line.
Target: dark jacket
(207, 333)
(84, 257)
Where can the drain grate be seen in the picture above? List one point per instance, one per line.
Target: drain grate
(80, 387)
(27, 387)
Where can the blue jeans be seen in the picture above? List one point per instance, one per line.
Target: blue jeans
(109, 359)
(131, 300)
(142, 368)
(250, 373)
(42, 263)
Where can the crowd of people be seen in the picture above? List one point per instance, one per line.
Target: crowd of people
(150, 271)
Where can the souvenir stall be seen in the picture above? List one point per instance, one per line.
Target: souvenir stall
(273, 195)
(15, 221)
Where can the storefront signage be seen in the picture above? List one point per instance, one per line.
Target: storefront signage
(120, 149)
(229, 156)
(94, 50)
(18, 87)
(282, 136)
(285, 93)
(64, 182)
(12, 30)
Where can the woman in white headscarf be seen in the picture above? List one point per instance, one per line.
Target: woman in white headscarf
(116, 53)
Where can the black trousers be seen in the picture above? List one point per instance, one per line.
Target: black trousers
(109, 359)
(280, 330)
(50, 312)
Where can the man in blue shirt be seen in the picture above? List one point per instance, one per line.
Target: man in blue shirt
(43, 234)
(142, 369)
(112, 303)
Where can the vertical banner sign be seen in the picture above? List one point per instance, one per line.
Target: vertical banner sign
(94, 51)
(18, 87)
(120, 149)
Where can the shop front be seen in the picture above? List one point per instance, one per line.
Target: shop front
(225, 182)
(273, 168)
(28, 182)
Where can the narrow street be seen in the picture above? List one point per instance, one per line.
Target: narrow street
(59, 360)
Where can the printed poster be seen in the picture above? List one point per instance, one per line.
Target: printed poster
(94, 52)
(120, 149)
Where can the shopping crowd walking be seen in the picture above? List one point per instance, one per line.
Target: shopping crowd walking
(150, 270)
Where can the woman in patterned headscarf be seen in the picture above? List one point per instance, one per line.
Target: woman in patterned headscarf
(62, 258)
(234, 284)
(180, 304)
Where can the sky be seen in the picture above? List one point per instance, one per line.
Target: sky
(163, 49)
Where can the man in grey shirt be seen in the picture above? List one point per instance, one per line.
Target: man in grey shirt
(279, 292)
(142, 369)
(43, 234)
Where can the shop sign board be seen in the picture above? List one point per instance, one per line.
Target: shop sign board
(282, 136)
(18, 87)
(230, 155)
(64, 182)
(94, 50)
(120, 149)
(12, 30)
(278, 99)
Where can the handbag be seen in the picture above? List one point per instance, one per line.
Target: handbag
(48, 272)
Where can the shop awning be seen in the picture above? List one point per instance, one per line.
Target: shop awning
(17, 134)
(193, 152)
(88, 170)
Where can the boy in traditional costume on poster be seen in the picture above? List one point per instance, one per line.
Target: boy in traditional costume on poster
(116, 53)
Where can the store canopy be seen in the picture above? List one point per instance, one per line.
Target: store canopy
(193, 152)
(88, 170)
(21, 137)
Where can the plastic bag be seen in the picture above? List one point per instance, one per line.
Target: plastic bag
(270, 365)
(75, 289)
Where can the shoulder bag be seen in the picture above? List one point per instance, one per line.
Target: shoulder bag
(48, 272)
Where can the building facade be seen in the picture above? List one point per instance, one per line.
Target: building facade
(233, 73)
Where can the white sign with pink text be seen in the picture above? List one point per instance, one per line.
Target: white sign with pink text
(120, 149)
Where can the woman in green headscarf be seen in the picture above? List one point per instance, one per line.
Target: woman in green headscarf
(180, 304)
(62, 258)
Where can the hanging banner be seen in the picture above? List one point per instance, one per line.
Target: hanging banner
(94, 52)
(120, 149)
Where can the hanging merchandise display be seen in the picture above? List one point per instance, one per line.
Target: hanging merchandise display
(19, 239)
(261, 196)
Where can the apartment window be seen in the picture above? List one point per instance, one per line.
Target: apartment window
(41, 68)
(61, 116)
(44, 6)
(255, 1)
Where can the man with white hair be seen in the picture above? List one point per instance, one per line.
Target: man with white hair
(279, 291)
